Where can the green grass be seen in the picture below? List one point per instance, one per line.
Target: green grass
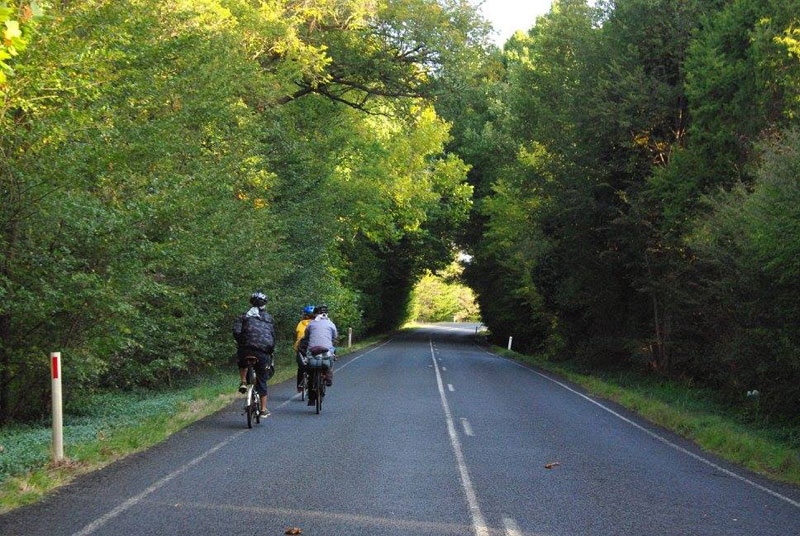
(108, 426)
(692, 412)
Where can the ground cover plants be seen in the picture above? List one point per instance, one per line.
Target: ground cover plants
(108, 426)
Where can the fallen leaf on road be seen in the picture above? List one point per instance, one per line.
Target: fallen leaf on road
(294, 530)
(551, 465)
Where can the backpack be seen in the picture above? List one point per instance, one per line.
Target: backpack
(257, 333)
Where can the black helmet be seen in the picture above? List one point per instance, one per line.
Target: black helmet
(322, 310)
(258, 299)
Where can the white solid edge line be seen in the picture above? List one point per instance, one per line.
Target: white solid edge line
(478, 523)
(658, 437)
(511, 527)
(111, 514)
(467, 427)
(108, 516)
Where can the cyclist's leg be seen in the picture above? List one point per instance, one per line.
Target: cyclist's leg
(329, 375)
(242, 364)
(261, 378)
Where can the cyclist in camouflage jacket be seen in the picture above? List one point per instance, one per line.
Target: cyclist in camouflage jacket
(254, 332)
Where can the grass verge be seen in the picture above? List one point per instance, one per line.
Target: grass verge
(691, 412)
(109, 426)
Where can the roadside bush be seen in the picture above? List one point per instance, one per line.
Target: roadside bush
(751, 245)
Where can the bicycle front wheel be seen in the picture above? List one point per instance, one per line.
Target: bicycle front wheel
(251, 407)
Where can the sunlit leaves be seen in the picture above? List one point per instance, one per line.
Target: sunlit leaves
(441, 297)
(151, 153)
(17, 20)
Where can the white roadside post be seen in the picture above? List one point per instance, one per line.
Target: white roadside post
(349, 337)
(509, 342)
(58, 426)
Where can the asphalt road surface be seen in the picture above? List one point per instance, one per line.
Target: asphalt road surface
(426, 434)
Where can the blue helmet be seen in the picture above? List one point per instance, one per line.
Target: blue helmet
(308, 309)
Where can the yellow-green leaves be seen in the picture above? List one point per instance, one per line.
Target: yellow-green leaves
(159, 152)
(791, 40)
(11, 32)
(16, 23)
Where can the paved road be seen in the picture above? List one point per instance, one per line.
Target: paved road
(426, 434)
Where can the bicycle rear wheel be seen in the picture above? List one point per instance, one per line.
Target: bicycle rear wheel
(313, 387)
(318, 383)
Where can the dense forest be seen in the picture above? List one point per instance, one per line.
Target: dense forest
(625, 176)
(163, 159)
(636, 167)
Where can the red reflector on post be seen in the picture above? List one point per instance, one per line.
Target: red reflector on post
(55, 367)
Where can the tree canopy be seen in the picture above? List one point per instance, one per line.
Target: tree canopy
(629, 213)
(162, 160)
(623, 174)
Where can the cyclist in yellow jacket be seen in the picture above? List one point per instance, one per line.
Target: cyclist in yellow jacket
(300, 330)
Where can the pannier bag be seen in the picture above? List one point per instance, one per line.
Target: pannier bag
(325, 362)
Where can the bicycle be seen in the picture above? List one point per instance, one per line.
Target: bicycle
(316, 378)
(304, 386)
(317, 387)
(252, 401)
(301, 363)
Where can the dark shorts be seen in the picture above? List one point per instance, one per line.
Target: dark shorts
(262, 374)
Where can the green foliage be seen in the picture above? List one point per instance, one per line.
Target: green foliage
(441, 297)
(749, 246)
(594, 145)
(28, 445)
(17, 21)
(742, 78)
(159, 163)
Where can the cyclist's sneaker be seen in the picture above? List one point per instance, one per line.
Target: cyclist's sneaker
(328, 382)
(265, 413)
(299, 388)
(242, 387)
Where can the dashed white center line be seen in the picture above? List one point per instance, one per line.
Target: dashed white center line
(467, 427)
(478, 522)
(511, 527)
(444, 369)
(450, 387)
